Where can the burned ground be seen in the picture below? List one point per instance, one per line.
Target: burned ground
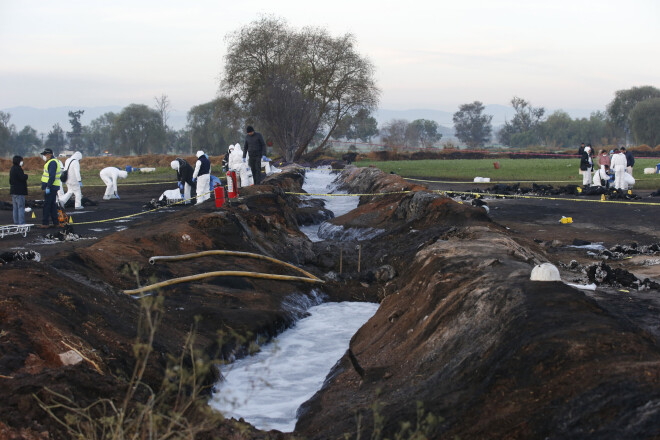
(460, 329)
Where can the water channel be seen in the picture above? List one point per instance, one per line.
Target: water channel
(266, 389)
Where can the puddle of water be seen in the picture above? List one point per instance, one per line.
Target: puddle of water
(266, 389)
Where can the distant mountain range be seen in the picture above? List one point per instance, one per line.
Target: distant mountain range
(43, 120)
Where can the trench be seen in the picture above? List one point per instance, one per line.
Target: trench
(266, 389)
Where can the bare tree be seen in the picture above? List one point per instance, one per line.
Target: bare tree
(394, 133)
(282, 105)
(322, 73)
(163, 106)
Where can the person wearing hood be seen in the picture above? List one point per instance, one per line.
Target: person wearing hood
(618, 165)
(235, 158)
(109, 176)
(50, 183)
(184, 175)
(256, 147)
(18, 189)
(586, 166)
(202, 176)
(73, 181)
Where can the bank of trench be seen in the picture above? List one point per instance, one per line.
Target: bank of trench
(461, 331)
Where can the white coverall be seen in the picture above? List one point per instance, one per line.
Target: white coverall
(109, 176)
(601, 177)
(73, 181)
(236, 164)
(203, 181)
(618, 164)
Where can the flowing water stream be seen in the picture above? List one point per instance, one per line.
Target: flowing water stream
(266, 389)
(319, 181)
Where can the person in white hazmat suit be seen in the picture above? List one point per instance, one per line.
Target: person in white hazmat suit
(202, 176)
(587, 166)
(618, 164)
(109, 176)
(601, 178)
(236, 164)
(73, 181)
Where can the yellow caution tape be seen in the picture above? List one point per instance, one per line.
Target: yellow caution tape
(142, 212)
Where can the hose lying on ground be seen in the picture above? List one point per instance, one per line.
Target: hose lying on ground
(153, 260)
(308, 278)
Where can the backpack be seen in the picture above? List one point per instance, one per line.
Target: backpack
(65, 173)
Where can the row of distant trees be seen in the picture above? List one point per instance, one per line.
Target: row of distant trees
(302, 88)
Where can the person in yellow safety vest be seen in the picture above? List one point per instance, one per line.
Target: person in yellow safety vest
(50, 183)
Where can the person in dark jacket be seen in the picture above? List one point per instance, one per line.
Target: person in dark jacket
(630, 160)
(184, 174)
(256, 147)
(18, 189)
(50, 183)
(202, 176)
(586, 166)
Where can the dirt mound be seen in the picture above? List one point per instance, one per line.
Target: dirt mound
(75, 300)
(463, 334)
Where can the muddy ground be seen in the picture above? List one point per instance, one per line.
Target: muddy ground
(461, 329)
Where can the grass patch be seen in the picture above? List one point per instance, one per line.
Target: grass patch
(557, 172)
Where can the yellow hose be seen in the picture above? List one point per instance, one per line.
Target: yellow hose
(225, 273)
(153, 260)
(308, 278)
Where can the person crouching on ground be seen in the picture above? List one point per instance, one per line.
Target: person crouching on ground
(202, 176)
(602, 177)
(586, 165)
(184, 175)
(619, 164)
(73, 181)
(18, 189)
(50, 183)
(256, 147)
(109, 176)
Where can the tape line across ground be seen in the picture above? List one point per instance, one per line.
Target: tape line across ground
(443, 192)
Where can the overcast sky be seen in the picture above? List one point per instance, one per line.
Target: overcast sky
(428, 54)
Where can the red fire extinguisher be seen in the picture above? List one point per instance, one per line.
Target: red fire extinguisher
(232, 186)
(219, 192)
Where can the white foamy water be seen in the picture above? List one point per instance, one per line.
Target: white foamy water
(319, 181)
(266, 389)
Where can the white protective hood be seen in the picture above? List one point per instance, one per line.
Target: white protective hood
(236, 158)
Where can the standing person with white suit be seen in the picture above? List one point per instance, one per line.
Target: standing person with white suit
(73, 181)
(618, 164)
(202, 175)
(586, 166)
(109, 176)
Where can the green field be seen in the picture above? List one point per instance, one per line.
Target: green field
(556, 172)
